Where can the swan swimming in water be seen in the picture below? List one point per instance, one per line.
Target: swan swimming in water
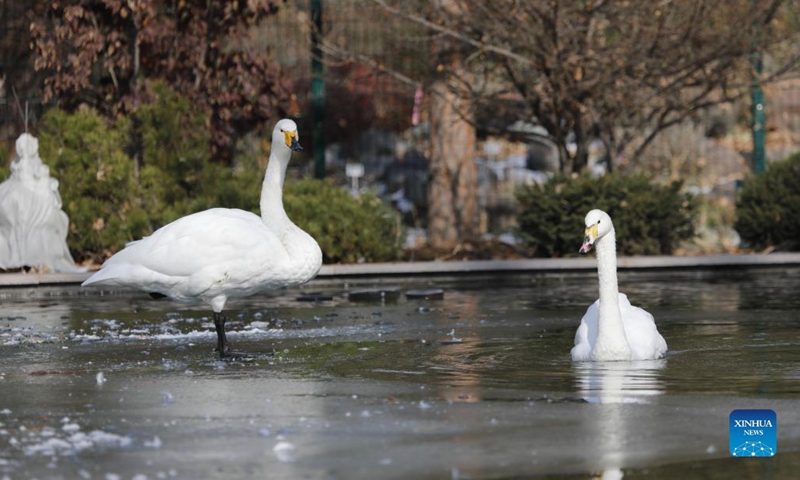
(612, 328)
(220, 253)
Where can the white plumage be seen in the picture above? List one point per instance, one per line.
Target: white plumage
(612, 328)
(640, 332)
(221, 253)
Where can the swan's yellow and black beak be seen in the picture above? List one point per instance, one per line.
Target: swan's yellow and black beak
(291, 141)
(588, 240)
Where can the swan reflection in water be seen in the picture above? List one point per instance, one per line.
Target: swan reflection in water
(619, 382)
(612, 387)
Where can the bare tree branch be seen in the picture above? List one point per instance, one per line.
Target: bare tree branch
(618, 70)
(451, 33)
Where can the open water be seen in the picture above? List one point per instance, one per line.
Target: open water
(477, 385)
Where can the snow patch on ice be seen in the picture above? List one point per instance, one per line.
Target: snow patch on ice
(16, 336)
(154, 443)
(285, 451)
(71, 427)
(254, 332)
(76, 443)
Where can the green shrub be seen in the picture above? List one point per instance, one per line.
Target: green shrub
(108, 205)
(648, 218)
(107, 202)
(767, 206)
(179, 176)
(96, 181)
(348, 229)
(5, 161)
(176, 167)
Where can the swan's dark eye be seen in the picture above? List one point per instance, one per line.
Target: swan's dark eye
(598, 222)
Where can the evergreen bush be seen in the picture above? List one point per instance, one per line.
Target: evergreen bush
(108, 204)
(348, 229)
(5, 161)
(767, 206)
(96, 181)
(649, 219)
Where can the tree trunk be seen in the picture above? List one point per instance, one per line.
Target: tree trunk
(611, 151)
(580, 159)
(452, 206)
(575, 159)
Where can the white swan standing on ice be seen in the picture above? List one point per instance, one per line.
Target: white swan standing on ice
(221, 253)
(612, 328)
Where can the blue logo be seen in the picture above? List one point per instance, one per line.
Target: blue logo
(753, 433)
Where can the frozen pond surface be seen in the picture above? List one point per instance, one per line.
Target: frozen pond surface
(113, 385)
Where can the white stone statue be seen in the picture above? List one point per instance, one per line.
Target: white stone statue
(33, 228)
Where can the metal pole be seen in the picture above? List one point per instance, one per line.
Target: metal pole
(317, 90)
(759, 108)
(759, 118)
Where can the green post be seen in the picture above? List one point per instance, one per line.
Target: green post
(759, 106)
(759, 117)
(317, 90)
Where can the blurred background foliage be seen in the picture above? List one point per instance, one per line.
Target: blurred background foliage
(111, 199)
(767, 207)
(96, 181)
(649, 219)
(348, 229)
(164, 110)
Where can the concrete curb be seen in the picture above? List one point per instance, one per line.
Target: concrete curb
(555, 265)
(543, 265)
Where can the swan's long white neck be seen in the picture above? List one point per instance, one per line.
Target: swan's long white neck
(611, 340)
(272, 212)
(302, 250)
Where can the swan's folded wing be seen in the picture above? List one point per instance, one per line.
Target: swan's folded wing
(640, 327)
(586, 334)
(215, 237)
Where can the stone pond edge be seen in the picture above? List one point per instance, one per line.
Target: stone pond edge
(538, 265)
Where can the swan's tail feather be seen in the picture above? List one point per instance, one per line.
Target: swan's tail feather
(120, 274)
(133, 276)
(104, 275)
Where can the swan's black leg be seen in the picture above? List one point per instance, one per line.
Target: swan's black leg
(222, 341)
